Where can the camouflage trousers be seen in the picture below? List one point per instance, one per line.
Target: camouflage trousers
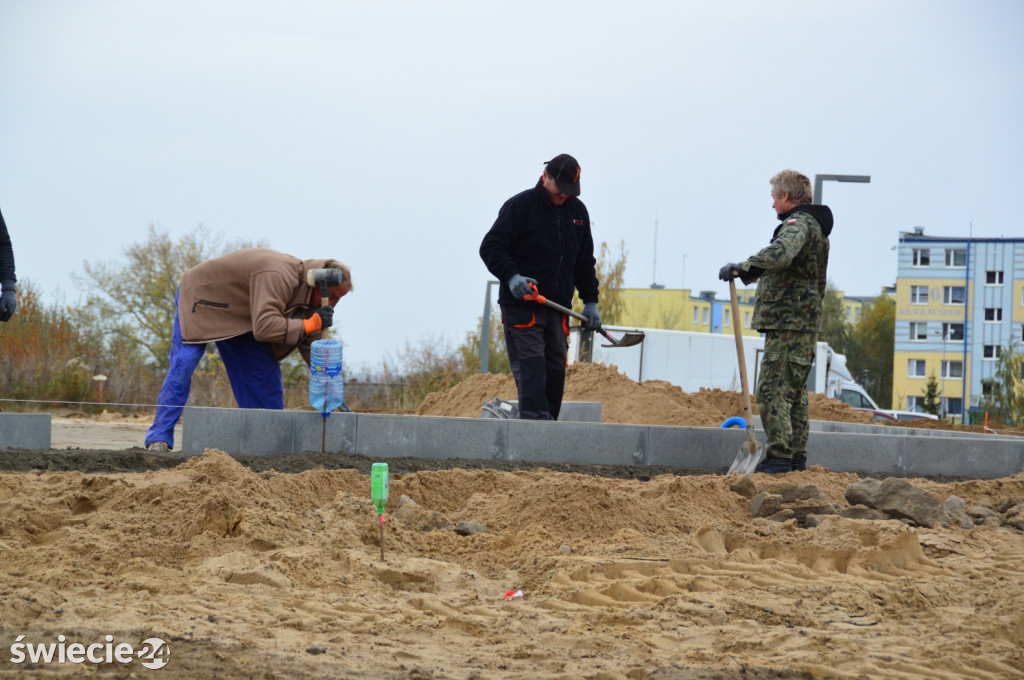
(782, 391)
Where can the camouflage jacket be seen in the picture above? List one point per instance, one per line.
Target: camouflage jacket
(791, 271)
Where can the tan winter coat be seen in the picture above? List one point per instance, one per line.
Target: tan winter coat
(253, 290)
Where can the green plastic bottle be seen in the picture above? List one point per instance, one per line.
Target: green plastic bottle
(379, 485)
(379, 494)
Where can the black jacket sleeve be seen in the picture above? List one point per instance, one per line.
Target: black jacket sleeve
(6, 253)
(585, 274)
(495, 248)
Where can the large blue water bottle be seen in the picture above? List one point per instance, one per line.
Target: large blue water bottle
(326, 386)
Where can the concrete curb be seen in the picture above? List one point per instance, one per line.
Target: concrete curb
(259, 432)
(25, 431)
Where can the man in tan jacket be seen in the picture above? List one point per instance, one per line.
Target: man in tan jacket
(256, 305)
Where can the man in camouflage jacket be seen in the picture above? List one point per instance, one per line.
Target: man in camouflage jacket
(790, 274)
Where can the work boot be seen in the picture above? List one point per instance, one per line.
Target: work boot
(774, 466)
(159, 447)
(799, 463)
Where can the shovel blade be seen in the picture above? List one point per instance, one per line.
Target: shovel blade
(747, 458)
(628, 339)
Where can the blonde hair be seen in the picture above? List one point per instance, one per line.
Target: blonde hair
(793, 183)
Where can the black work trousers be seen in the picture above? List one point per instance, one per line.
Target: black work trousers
(537, 344)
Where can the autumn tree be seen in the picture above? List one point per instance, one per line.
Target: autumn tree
(611, 272)
(834, 328)
(1005, 403)
(44, 355)
(870, 347)
(931, 396)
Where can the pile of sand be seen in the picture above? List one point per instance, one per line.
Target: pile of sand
(279, 575)
(653, 402)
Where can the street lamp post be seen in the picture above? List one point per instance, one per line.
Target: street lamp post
(944, 371)
(818, 179)
(485, 330)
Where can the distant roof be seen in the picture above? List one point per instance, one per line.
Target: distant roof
(920, 236)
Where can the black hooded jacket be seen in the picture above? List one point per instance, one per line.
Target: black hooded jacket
(552, 244)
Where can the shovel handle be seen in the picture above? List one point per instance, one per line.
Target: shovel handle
(738, 331)
(535, 296)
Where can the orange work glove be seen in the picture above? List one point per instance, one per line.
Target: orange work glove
(312, 324)
(323, 318)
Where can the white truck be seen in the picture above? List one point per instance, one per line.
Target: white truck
(695, 360)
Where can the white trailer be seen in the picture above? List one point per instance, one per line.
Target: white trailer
(695, 360)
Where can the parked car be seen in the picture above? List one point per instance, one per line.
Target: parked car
(912, 415)
(891, 416)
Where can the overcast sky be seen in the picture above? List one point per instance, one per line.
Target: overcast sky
(387, 134)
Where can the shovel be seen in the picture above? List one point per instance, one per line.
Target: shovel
(628, 339)
(749, 454)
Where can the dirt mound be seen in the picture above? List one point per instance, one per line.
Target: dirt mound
(248, 573)
(653, 402)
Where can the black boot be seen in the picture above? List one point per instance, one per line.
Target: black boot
(774, 466)
(799, 463)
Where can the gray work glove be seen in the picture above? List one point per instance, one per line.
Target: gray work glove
(8, 300)
(326, 316)
(729, 271)
(593, 318)
(520, 285)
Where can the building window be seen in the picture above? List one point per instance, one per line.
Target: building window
(915, 368)
(952, 405)
(707, 317)
(994, 278)
(746, 319)
(952, 369)
(990, 352)
(919, 295)
(696, 315)
(912, 403)
(986, 388)
(952, 331)
(922, 257)
(993, 314)
(727, 317)
(918, 331)
(849, 315)
(956, 257)
(953, 295)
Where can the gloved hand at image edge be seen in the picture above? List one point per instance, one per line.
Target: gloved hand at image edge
(520, 285)
(324, 318)
(729, 272)
(8, 300)
(593, 317)
(733, 270)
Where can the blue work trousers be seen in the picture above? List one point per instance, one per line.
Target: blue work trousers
(254, 374)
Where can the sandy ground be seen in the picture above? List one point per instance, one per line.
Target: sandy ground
(107, 432)
(272, 568)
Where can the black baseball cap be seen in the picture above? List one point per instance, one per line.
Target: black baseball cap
(564, 169)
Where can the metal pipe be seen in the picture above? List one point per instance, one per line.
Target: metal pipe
(818, 179)
(485, 330)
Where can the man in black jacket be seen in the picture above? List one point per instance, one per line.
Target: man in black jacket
(541, 241)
